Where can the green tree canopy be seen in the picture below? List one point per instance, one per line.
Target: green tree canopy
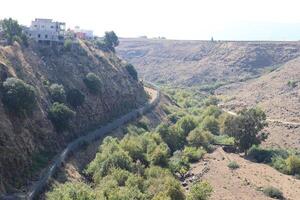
(131, 70)
(248, 125)
(57, 93)
(111, 40)
(18, 96)
(60, 115)
(13, 31)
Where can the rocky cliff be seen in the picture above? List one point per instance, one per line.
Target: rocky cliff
(26, 142)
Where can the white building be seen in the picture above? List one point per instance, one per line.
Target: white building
(46, 30)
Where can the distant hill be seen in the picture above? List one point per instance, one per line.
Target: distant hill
(191, 63)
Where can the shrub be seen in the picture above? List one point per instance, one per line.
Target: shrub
(131, 70)
(199, 137)
(159, 156)
(179, 163)
(18, 96)
(211, 124)
(200, 191)
(60, 115)
(233, 165)
(260, 154)
(93, 83)
(273, 192)
(193, 154)
(75, 98)
(223, 140)
(74, 191)
(186, 124)
(68, 45)
(292, 84)
(57, 93)
(279, 164)
(293, 165)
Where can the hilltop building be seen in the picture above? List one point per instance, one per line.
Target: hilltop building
(46, 30)
(82, 33)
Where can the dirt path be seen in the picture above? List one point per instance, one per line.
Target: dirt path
(296, 124)
(245, 182)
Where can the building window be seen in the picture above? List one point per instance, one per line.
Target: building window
(39, 35)
(35, 25)
(46, 36)
(30, 35)
(52, 26)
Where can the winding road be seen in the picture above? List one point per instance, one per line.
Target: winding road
(39, 185)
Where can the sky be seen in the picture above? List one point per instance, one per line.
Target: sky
(173, 19)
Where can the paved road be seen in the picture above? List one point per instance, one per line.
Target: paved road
(90, 137)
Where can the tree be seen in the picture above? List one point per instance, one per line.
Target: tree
(186, 124)
(72, 191)
(199, 137)
(18, 96)
(200, 191)
(211, 124)
(60, 115)
(249, 124)
(93, 83)
(75, 98)
(57, 93)
(131, 70)
(13, 31)
(111, 40)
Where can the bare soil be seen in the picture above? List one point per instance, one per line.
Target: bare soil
(247, 181)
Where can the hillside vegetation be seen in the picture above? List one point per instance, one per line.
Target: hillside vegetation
(51, 95)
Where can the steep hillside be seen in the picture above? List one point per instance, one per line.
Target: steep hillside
(26, 140)
(278, 94)
(191, 63)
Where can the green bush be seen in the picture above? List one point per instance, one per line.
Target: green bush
(186, 124)
(68, 44)
(292, 84)
(200, 191)
(71, 191)
(211, 124)
(273, 192)
(223, 140)
(18, 96)
(57, 93)
(199, 137)
(233, 165)
(279, 163)
(260, 154)
(159, 156)
(179, 163)
(60, 115)
(93, 83)
(293, 164)
(75, 98)
(193, 154)
(131, 70)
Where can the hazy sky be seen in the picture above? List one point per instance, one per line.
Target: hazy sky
(174, 19)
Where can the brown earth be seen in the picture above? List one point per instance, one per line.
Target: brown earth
(22, 139)
(246, 182)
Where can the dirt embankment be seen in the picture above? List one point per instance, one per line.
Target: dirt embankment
(23, 140)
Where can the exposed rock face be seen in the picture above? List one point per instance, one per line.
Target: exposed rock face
(191, 63)
(22, 138)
